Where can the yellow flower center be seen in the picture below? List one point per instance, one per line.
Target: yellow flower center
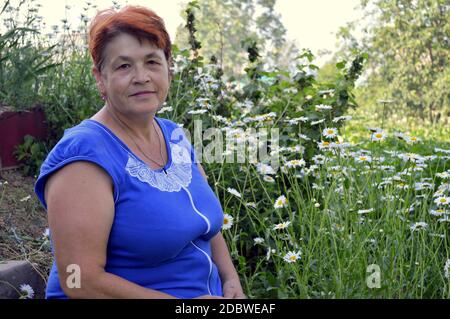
(293, 258)
(378, 135)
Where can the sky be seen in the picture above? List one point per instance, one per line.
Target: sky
(310, 23)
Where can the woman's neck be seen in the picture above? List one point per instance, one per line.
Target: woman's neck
(141, 128)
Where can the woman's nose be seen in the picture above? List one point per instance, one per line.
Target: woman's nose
(142, 75)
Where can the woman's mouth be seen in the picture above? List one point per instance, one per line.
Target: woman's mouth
(142, 94)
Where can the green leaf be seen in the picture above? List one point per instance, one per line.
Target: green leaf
(341, 65)
(34, 149)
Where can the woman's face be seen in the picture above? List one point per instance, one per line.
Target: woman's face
(135, 76)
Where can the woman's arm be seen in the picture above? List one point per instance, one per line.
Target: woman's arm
(230, 279)
(221, 256)
(80, 209)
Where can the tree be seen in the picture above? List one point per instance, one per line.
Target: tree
(224, 26)
(409, 52)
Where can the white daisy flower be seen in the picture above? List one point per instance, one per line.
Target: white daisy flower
(281, 202)
(378, 136)
(265, 169)
(292, 257)
(444, 175)
(315, 186)
(220, 118)
(269, 252)
(295, 163)
(447, 269)
(318, 122)
(400, 136)
(251, 204)
(342, 118)
(374, 129)
(363, 159)
(165, 109)
(26, 291)
(27, 198)
(282, 225)
(194, 112)
(445, 219)
(319, 159)
(324, 145)
(365, 211)
(442, 200)
(258, 240)
(303, 136)
(268, 179)
(438, 212)
(321, 107)
(415, 158)
(412, 139)
(303, 119)
(227, 221)
(234, 192)
(440, 150)
(291, 121)
(330, 132)
(419, 226)
(203, 103)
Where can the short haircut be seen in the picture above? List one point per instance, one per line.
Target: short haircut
(137, 21)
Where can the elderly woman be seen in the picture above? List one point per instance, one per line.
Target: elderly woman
(130, 211)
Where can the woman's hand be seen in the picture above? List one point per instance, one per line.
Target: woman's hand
(232, 289)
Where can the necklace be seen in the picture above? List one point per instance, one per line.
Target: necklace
(122, 124)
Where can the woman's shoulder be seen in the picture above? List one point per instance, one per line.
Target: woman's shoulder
(82, 140)
(84, 129)
(85, 135)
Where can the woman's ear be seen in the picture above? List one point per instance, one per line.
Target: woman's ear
(99, 80)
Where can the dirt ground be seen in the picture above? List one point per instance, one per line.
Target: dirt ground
(23, 222)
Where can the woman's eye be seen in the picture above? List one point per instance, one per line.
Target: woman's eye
(152, 62)
(124, 66)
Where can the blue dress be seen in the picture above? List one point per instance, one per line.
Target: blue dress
(164, 219)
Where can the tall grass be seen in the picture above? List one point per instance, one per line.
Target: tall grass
(344, 216)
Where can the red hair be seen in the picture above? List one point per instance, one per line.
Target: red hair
(137, 21)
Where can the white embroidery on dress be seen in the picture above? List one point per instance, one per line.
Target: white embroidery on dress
(179, 173)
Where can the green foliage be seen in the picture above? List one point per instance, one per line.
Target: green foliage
(22, 65)
(409, 56)
(222, 25)
(70, 94)
(31, 153)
